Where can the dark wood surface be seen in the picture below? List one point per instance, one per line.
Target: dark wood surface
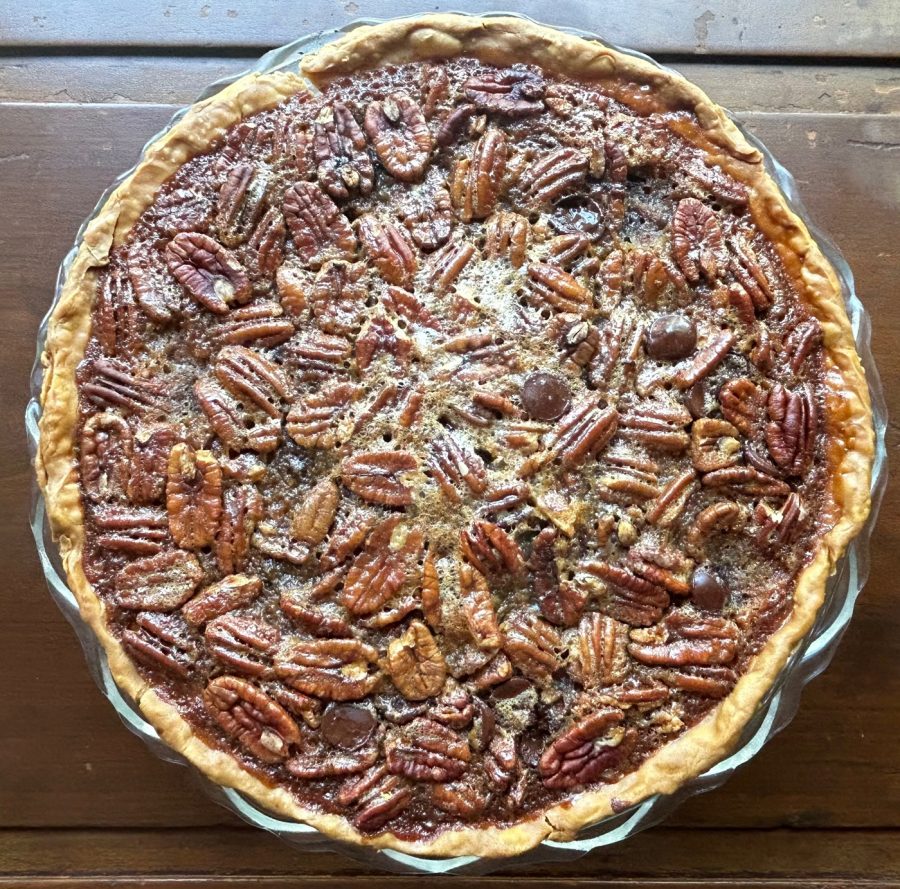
(81, 88)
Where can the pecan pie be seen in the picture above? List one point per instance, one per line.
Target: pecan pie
(449, 443)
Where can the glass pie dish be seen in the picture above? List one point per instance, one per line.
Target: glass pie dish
(779, 704)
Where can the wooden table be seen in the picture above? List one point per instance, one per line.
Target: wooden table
(82, 86)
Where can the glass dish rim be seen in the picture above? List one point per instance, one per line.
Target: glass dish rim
(774, 712)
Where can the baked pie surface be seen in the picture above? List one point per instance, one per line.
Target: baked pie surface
(450, 445)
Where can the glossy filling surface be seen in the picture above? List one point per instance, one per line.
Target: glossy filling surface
(450, 442)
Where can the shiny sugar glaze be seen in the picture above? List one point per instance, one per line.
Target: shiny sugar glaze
(449, 443)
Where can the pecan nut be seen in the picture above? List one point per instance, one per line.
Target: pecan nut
(553, 176)
(489, 549)
(335, 669)
(242, 201)
(252, 718)
(476, 182)
(375, 476)
(314, 516)
(791, 430)
(427, 751)
(137, 532)
(584, 752)
(400, 136)
(697, 240)
(533, 646)
(415, 663)
(429, 218)
(343, 165)
(388, 249)
(714, 444)
(740, 401)
(601, 657)
(318, 228)
(193, 496)
(237, 427)
(106, 455)
(158, 583)
(161, 642)
(242, 509)
(511, 92)
(313, 421)
(243, 644)
(207, 271)
(225, 595)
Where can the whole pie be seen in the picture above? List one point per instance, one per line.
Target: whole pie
(450, 442)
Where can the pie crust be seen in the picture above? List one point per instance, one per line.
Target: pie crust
(499, 41)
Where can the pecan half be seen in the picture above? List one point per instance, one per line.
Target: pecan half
(553, 175)
(600, 656)
(466, 798)
(380, 334)
(106, 455)
(243, 644)
(705, 361)
(400, 136)
(242, 201)
(802, 341)
(116, 315)
(318, 228)
(225, 595)
(415, 663)
(584, 752)
(207, 271)
(193, 496)
(581, 433)
(329, 764)
(633, 599)
(380, 802)
(478, 608)
(158, 583)
(262, 323)
(264, 252)
(791, 430)
(659, 425)
(252, 377)
(161, 642)
(447, 264)
(553, 288)
(251, 717)
(317, 356)
(723, 515)
(476, 182)
(237, 428)
(109, 383)
(511, 92)
(714, 444)
(746, 481)
(388, 249)
(137, 532)
(242, 509)
(697, 240)
(777, 527)
(343, 165)
(490, 550)
(506, 234)
(532, 645)
(702, 642)
(335, 669)
(374, 476)
(428, 218)
(561, 605)
(338, 296)
(453, 462)
(427, 751)
(741, 403)
(313, 518)
(312, 421)
(381, 569)
(149, 462)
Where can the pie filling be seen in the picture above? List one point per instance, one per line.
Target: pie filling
(449, 442)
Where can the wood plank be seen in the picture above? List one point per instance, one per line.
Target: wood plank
(769, 87)
(62, 749)
(663, 856)
(865, 28)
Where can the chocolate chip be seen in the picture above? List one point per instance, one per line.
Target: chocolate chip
(545, 396)
(511, 688)
(707, 590)
(347, 726)
(695, 401)
(671, 337)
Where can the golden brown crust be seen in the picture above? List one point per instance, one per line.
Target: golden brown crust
(499, 41)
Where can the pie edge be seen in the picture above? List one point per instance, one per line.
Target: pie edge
(500, 41)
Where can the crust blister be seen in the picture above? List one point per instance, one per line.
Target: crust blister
(500, 41)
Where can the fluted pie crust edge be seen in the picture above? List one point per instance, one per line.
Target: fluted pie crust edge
(499, 41)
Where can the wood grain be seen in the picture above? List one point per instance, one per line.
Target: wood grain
(780, 86)
(832, 28)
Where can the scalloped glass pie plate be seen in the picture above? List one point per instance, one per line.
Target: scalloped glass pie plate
(775, 712)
